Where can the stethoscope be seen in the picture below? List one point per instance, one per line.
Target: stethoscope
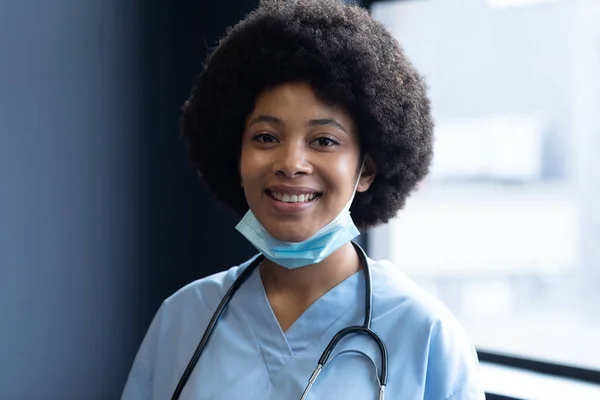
(364, 329)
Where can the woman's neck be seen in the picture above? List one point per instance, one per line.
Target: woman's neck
(292, 291)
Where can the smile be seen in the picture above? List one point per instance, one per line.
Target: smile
(292, 198)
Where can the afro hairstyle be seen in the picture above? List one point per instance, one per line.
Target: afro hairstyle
(350, 60)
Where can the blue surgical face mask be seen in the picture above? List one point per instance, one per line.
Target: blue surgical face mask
(310, 251)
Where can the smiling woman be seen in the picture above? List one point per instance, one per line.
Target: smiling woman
(309, 122)
(296, 145)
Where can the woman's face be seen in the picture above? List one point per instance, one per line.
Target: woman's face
(300, 161)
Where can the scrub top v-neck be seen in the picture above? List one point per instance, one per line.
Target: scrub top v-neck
(310, 329)
(250, 357)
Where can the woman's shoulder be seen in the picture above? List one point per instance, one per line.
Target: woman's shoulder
(207, 291)
(401, 305)
(416, 324)
(398, 293)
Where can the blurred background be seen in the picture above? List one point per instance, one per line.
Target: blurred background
(101, 217)
(506, 230)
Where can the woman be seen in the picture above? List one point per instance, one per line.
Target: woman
(307, 111)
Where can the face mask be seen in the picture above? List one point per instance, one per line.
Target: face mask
(310, 251)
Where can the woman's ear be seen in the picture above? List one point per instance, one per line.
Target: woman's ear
(367, 176)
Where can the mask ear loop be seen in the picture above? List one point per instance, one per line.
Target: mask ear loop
(346, 208)
(362, 168)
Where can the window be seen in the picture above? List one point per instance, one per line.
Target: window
(506, 229)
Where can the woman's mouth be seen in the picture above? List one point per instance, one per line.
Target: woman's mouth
(293, 198)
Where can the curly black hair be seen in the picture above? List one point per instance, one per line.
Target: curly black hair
(350, 60)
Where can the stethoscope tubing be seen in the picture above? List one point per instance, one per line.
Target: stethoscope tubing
(211, 325)
(364, 329)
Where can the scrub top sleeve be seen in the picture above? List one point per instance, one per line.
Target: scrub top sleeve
(140, 380)
(453, 368)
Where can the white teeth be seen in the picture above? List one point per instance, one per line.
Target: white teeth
(286, 198)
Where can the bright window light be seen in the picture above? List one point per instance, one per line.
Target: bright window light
(517, 3)
(506, 228)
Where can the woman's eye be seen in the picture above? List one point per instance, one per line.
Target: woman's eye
(325, 142)
(265, 138)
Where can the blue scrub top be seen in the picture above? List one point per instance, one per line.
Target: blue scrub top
(249, 356)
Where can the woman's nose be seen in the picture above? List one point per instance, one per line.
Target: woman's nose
(292, 160)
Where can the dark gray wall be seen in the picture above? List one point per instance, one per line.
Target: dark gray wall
(69, 128)
(100, 216)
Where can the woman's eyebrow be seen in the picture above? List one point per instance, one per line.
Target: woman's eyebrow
(327, 121)
(314, 122)
(266, 118)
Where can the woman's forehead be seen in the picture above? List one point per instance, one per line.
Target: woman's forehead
(298, 102)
